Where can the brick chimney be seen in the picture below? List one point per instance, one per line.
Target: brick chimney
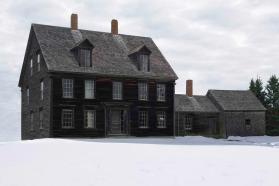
(114, 26)
(189, 88)
(74, 21)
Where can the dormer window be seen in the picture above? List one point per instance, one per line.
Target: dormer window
(83, 53)
(85, 57)
(144, 62)
(141, 57)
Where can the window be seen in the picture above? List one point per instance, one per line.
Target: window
(161, 119)
(161, 92)
(188, 122)
(42, 89)
(89, 89)
(248, 124)
(27, 95)
(31, 120)
(117, 90)
(143, 119)
(144, 60)
(39, 62)
(31, 67)
(90, 119)
(67, 118)
(85, 57)
(142, 91)
(67, 88)
(41, 116)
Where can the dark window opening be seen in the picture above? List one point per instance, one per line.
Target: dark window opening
(188, 123)
(85, 57)
(144, 62)
(248, 124)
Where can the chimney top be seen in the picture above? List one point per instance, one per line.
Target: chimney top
(189, 87)
(114, 26)
(74, 21)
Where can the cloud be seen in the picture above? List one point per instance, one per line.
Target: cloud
(218, 44)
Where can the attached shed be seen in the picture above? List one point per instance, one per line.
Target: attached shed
(241, 113)
(195, 115)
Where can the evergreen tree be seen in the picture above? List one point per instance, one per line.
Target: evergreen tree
(272, 93)
(257, 88)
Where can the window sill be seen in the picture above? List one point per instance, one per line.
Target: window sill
(143, 127)
(90, 98)
(161, 127)
(90, 128)
(67, 127)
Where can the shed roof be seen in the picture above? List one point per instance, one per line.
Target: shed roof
(184, 103)
(236, 100)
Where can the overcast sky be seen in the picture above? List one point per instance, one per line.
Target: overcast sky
(219, 44)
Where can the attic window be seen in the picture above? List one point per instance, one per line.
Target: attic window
(144, 62)
(85, 57)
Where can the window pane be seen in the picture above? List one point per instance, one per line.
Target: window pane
(85, 60)
(117, 90)
(31, 121)
(42, 90)
(41, 119)
(89, 89)
(27, 95)
(67, 118)
(90, 119)
(67, 88)
(143, 119)
(144, 62)
(31, 67)
(142, 91)
(161, 90)
(39, 62)
(161, 119)
(188, 122)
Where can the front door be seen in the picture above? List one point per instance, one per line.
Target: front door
(115, 125)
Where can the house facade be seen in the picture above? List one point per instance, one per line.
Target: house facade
(219, 113)
(80, 83)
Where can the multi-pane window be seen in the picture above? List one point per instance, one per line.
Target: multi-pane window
(31, 67)
(161, 119)
(142, 91)
(85, 57)
(27, 95)
(31, 120)
(89, 89)
(117, 90)
(90, 119)
(161, 92)
(144, 60)
(188, 122)
(67, 118)
(143, 119)
(41, 117)
(67, 88)
(39, 62)
(42, 89)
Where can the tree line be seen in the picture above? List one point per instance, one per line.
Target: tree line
(269, 96)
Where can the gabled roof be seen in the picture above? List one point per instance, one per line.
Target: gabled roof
(110, 53)
(139, 48)
(236, 100)
(185, 103)
(84, 41)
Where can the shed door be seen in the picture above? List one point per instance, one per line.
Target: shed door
(115, 126)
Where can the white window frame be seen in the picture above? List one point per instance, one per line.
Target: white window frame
(93, 119)
(144, 62)
(42, 89)
(117, 88)
(68, 88)
(188, 122)
(41, 118)
(31, 120)
(31, 67)
(161, 92)
(161, 119)
(143, 119)
(28, 95)
(67, 123)
(89, 91)
(143, 91)
(39, 61)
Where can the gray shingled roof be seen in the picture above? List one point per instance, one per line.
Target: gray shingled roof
(185, 103)
(236, 100)
(110, 53)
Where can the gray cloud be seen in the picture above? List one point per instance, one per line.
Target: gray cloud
(218, 44)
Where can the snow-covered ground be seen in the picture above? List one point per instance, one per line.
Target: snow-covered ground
(193, 161)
